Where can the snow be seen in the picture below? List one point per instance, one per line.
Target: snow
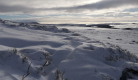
(127, 39)
(84, 53)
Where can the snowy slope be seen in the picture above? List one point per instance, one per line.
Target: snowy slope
(35, 52)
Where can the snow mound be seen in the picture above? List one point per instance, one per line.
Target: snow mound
(15, 65)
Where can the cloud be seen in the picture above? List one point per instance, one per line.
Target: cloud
(69, 11)
(46, 3)
(104, 4)
(15, 8)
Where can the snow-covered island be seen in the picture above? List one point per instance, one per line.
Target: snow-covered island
(30, 51)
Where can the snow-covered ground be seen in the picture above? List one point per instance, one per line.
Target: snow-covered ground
(36, 52)
(126, 39)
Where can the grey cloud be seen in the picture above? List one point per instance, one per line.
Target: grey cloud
(15, 8)
(104, 4)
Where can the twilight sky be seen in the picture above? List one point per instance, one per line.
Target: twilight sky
(70, 11)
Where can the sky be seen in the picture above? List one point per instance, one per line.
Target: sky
(69, 11)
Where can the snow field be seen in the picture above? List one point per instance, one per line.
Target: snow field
(35, 52)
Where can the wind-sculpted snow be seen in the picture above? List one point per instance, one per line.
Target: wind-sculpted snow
(18, 43)
(35, 52)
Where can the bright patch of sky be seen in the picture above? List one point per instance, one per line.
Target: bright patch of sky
(132, 10)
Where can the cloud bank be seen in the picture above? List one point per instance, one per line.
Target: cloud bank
(70, 10)
(104, 4)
